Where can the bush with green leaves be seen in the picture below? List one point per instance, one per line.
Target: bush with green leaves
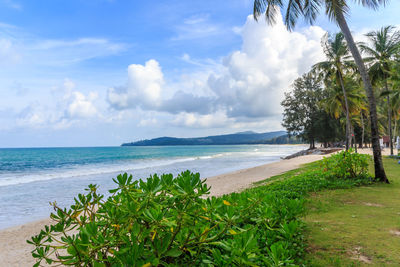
(167, 221)
(346, 165)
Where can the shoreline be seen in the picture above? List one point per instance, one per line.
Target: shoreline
(245, 178)
(14, 251)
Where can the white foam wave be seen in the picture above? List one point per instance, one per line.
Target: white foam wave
(101, 169)
(78, 171)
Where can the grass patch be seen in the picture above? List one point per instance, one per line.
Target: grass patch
(357, 226)
(289, 174)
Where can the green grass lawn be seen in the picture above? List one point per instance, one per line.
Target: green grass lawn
(358, 226)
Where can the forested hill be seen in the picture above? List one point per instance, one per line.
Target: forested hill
(279, 137)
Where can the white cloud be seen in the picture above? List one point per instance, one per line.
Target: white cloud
(61, 52)
(269, 61)
(207, 63)
(243, 89)
(18, 46)
(81, 106)
(36, 116)
(143, 88)
(148, 122)
(247, 85)
(215, 120)
(197, 27)
(68, 108)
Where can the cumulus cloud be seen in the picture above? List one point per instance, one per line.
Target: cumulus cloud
(143, 88)
(148, 122)
(71, 107)
(81, 106)
(36, 116)
(248, 84)
(217, 119)
(187, 102)
(271, 58)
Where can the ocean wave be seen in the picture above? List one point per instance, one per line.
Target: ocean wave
(81, 170)
(78, 171)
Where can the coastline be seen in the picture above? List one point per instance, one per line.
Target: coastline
(223, 184)
(14, 251)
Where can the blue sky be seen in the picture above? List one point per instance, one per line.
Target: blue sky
(102, 72)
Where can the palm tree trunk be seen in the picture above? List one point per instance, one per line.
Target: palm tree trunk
(346, 103)
(389, 118)
(354, 139)
(378, 164)
(363, 130)
(395, 134)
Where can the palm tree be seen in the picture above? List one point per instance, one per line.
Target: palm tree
(335, 66)
(395, 93)
(335, 102)
(336, 11)
(383, 47)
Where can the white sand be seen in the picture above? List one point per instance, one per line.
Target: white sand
(14, 251)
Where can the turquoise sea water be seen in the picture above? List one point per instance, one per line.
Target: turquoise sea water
(30, 178)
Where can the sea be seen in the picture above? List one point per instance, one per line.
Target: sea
(31, 178)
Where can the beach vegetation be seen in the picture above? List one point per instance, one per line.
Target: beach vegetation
(305, 117)
(337, 11)
(334, 69)
(381, 49)
(170, 221)
(346, 165)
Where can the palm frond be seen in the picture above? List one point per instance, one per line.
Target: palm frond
(373, 4)
(311, 10)
(293, 11)
(267, 7)
(333, 8)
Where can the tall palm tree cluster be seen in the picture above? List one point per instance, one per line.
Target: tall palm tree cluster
(357, 87)
(345, 96)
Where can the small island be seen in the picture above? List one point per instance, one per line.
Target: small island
(241, 138)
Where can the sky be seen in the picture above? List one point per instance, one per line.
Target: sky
(104, 72)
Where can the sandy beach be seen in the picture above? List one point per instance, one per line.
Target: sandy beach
(14, 251)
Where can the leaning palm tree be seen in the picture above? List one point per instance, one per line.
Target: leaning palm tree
(337, 10)
(336, 65)
(382, 48)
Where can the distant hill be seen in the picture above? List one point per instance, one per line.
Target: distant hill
(242, 138)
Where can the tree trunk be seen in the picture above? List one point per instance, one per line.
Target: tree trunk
(354, 139)
(346, 103)
(363, 130)
(395, 134)
(389, 118)
(378, 164)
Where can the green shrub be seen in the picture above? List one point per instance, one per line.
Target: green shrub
(346, 165)
(167, 221)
